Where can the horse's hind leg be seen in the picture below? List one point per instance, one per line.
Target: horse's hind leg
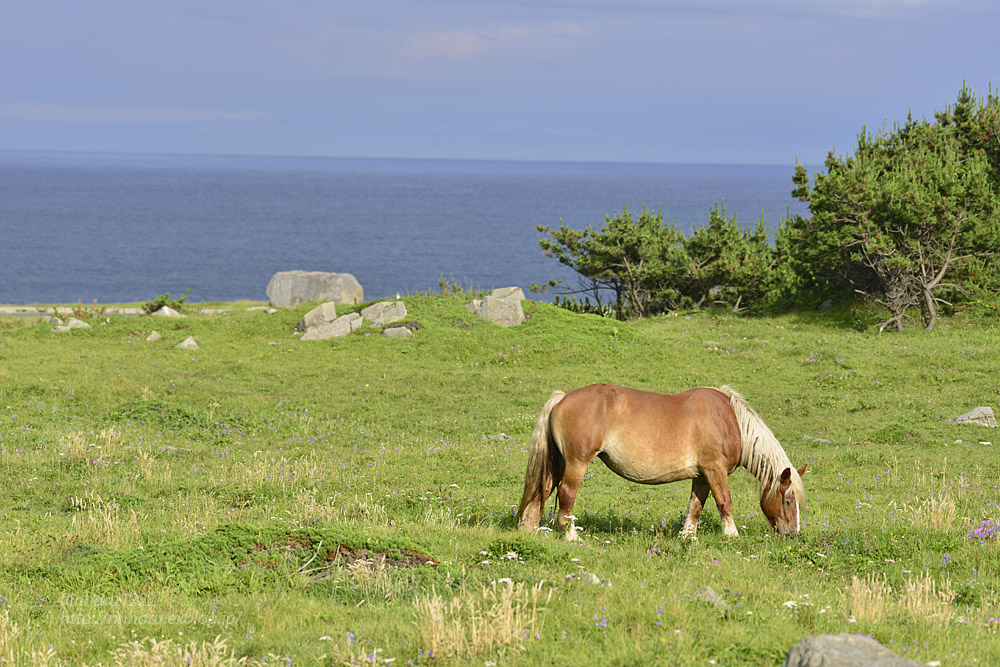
(571, 479)
(536, 504)
(699, 495)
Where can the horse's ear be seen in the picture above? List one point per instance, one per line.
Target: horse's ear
(802, 470)
(786, 475)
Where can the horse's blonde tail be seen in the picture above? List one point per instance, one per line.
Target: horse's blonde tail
(539, 479)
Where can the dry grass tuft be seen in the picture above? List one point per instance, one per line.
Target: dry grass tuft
(868, 599)
(104, 522)
(11, 653)
(927, 602)
(371, 576)
(505, 615)
(938, 512)
(9, 632)
(149, 652)
(74, 446)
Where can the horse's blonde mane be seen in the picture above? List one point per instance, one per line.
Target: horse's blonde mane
(761, 453)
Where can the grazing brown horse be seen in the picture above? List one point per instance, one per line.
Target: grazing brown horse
(700, 434)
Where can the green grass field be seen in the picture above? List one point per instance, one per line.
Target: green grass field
(283, 502)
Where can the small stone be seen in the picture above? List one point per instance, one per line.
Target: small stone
(153, 337)
(384, 312)
(983, 416)
(167, 311)
(124, 311)
(188, 343)
(74, 323)
(321, 314)
(339, 328)
(397, 332)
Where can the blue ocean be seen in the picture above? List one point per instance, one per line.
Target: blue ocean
(124, 228)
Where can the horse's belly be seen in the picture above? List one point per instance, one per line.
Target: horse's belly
(650, 469)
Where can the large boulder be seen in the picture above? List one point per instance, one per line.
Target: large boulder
(290, 288)
(382, 313)
(502, 306)
(843, 650)
(508, 293)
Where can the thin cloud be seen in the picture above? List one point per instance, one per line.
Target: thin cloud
(455, 44)
(105, 114)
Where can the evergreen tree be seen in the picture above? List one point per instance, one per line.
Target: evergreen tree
(904, 220)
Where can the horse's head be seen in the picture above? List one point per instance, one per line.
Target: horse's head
(782, 507)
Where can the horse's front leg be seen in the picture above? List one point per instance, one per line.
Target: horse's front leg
(718, 480)
(699, 495)
(572, 477)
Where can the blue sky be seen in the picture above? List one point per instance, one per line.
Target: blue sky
(723, 81)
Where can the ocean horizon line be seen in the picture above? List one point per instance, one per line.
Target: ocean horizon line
(374, 158)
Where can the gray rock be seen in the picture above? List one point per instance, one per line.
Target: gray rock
(167, 311)
(188, 343)
(339, 328)
(212, 311)
(502, 306)
(383, 312)
(505, 312)
(843, 650)
(153, 337)
(290, 288)
(508, 293)
(61, 329)
(321, 314)
(982, 416)
(815, 439)
(825, 305)
(397, 332)
(74, 323)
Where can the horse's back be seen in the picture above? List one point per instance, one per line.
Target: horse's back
(607, 402)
